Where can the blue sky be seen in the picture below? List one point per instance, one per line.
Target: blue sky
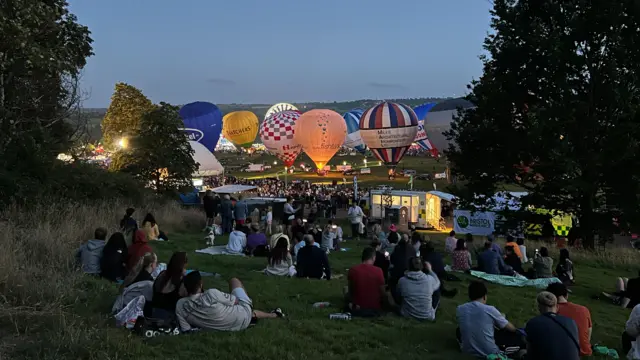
(267, 51)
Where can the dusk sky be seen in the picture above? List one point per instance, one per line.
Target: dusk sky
(267, 51)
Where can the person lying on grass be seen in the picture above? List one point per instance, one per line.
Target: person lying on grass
(215, 310)
(627, 292)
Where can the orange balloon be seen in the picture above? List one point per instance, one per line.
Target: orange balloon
(321, 133)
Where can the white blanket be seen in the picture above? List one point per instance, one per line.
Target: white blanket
(217, 250)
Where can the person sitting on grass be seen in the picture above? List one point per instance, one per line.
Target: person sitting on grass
(543, 264)
(578, 313)
(400, 257)
(450, 242)
(461, 257)
(482, 329)
(512, 242)
(114, 258)
(256, 242)
(89, 255)
(564, 269)
(382, 259)
(512, 260)
(416, 290)
(280, 262)
(631, 335)
(279, 232)
(237, 240)
(167, 288)
(312, 262)
(366, 290)
(627, 292)
(150, 227)
(490, 261)
(523, 250)
(328, 237)
(143, 270)
(551, 336)
(215, 310)
(138, 248)
(128, 225)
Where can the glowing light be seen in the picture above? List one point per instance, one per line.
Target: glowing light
(123, 143)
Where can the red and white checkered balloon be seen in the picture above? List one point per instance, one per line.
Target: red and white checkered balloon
(276, 133)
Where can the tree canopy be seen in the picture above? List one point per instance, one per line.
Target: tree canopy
(42, 52)
(557, 109)
(124, 115)
(159, 153)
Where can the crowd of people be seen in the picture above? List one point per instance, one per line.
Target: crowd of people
(401, 273)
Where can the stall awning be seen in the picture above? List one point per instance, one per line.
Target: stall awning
(232, 189)
(443, 195)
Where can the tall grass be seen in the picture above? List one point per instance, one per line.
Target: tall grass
(39, 281)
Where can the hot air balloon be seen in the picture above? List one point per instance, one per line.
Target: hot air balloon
(277, 134)
(353, 139)
(279, 108)
(323, 135)
(388, 129)
(240, 127)
(421, 137)
(202, 123)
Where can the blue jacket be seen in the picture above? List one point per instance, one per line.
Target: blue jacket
(491, 262)
(241, 210)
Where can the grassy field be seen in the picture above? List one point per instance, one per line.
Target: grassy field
(307, 333)
(378, 176)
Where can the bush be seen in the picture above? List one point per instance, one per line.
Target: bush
(40, 287)
(74, 182)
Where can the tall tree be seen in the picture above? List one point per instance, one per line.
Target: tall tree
(42, 52)
(124, 115)
(557, 109)
(159, 154)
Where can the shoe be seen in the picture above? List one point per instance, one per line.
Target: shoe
(278, 312)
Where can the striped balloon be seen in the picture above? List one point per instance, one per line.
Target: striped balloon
(353, 139)
(421, 137)
(388, 129)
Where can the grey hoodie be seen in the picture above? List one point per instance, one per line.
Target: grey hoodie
(89, 256)
(416, 289)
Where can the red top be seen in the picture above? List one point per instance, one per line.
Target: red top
(137, 250)
(582, 317)
(364, 284)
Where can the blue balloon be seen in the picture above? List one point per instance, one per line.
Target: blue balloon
(421, 137)
(353, 139)
(202, 123)
(422, 110)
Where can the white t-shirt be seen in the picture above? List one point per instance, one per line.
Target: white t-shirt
(269, 217)
(355, 214)
(632, 328)
(450, 244)
(237, 242)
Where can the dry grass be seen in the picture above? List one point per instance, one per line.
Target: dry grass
(39, 283)
(613, 257)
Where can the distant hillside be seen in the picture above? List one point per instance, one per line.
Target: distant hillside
(341, 107)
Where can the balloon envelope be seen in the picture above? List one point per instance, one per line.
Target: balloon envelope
(277, 134)
(240, 127)
(388, 129)
(421, 137)
(323, 135)
(202, 123)
(353, 139)
(280, 107)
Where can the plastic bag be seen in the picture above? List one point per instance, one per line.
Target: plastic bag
(127, 317)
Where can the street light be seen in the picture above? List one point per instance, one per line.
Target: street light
(275, 163)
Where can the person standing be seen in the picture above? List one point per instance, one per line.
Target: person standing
(226, 212)
(355, 215)
(240, 211)
(210, 206)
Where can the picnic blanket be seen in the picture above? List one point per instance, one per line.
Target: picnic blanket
(518, 280)
(217, 250)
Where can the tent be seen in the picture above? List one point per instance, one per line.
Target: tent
(232, 189)
(209, 165)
